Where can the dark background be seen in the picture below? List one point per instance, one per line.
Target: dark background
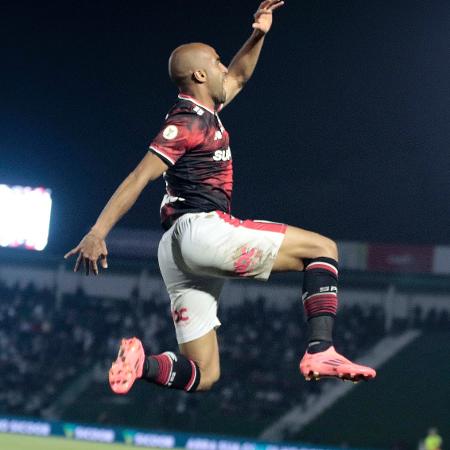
(343, 129)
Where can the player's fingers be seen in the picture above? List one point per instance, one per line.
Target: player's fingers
(276, 5)
(78, 262)
(104, 261)
(270, 3)
(265, 3)
(72, 252)
(86, 266)
(93, 265)
(260, 12)
(103, 256)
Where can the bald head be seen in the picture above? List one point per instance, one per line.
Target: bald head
(187, 59)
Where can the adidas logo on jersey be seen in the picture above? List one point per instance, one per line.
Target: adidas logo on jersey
(222, 155)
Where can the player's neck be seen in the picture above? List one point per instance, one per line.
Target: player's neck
(202, 98)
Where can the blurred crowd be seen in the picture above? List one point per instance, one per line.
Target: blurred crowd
(45, 344)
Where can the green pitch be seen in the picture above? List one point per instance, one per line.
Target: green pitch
(18, 442)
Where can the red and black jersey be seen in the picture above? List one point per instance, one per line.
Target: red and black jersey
(195, 146)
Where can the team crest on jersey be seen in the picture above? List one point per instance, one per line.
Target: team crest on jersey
(170, 132)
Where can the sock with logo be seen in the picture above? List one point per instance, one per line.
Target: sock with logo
(173, 371)
(320, 301)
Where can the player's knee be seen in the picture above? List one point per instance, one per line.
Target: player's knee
(324, 247)
(329, 248)
(208, 378)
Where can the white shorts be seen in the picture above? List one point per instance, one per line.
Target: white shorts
(199, 252)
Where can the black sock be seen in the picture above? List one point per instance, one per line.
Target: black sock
(320, 330)
(320, 301)
(318, 346)
(173, 371)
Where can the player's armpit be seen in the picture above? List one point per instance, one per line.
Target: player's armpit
(150, 168)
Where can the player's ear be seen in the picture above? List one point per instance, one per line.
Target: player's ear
(199, 76)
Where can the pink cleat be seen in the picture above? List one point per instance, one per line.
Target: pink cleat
(128, 366)
(329, 363)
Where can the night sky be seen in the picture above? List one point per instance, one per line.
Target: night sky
(343, 129)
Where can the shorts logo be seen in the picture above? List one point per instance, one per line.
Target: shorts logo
(180, 315)
(170, 132)
(246, 261)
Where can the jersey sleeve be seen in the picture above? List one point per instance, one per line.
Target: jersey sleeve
(179, 134)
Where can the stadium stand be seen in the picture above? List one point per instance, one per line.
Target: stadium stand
(49, 341)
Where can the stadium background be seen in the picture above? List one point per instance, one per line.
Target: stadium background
(343, 129)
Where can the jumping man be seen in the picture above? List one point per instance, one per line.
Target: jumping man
(203, 244)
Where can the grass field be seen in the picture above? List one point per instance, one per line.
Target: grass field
(18, 442)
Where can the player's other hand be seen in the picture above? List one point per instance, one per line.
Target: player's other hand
(89, 250)
(263, 16)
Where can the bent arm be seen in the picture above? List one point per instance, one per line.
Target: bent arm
(244, 62)
(149, 169)
(93, 246)
(243, 65)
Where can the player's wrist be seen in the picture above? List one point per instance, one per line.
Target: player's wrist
(98, 231)
(258, 34)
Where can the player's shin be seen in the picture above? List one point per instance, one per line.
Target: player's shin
(173, 371)
(320, 301)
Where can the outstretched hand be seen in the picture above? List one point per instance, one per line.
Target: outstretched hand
(89, 250)
(263, 16)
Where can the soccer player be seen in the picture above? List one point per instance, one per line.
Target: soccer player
(203, 244)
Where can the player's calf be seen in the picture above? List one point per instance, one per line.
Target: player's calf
(173, 371)
(167, 369)
(208, 378)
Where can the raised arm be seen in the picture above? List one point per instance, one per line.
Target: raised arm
(93, 246)
(244, 62)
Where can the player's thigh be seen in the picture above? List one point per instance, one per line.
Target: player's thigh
(205, 352)
(299, 244)
(219, 245)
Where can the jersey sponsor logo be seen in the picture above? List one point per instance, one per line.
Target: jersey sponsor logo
(170, 132)
(218, 135)
(222, 155)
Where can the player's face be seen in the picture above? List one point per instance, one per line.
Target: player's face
(216, 78)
